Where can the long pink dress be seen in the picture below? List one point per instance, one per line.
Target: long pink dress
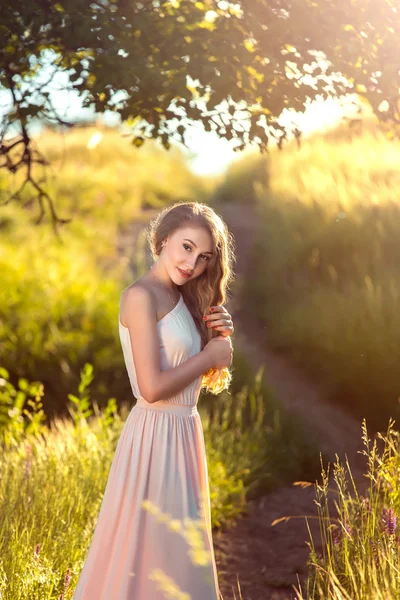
(153, 538)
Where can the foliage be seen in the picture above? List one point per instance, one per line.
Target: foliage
(360, 556)
(16, 420)
(247, 62)
(323, 271)
(58, 311)
(59, 300)
(51, 486)
(240, 181)
(52, 480)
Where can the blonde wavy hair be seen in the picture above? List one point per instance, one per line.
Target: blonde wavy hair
(211, 287)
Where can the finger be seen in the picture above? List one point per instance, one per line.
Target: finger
(217, 308)
(213, 318)
(219, 322)
(224, 332)
(223, 328)
(224, 318)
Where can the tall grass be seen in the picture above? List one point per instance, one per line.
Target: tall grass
(323, 274)
(52, 476)
(58, 310)
(59, 300)
(98, 177)
(360, 557)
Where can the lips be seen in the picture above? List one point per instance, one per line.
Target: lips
(183, 273)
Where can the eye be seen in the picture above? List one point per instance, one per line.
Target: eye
(207, 258)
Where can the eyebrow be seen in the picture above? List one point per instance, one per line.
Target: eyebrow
(186, 240)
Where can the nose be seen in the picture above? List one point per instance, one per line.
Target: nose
(190, 267)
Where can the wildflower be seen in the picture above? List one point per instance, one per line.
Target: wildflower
(67, 578)
(199, 556)
(151, 507)
(337, 535)
(348, 529)
(366, 504)
(28, 461)
(27, 469)
(167, 585)
(175, 525)
(346, 525)
(375, 552)
(390, 521)
(37, 550)
(165, 517)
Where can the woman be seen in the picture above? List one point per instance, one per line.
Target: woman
(153, 537)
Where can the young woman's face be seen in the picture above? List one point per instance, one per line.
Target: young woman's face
(188, 250)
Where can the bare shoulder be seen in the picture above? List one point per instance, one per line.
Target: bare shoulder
(135, 299)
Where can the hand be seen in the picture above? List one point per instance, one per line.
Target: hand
(220, 320)
(220, 351)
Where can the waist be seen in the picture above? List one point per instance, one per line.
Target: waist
(169, 407)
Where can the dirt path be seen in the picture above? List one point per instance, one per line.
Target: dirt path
(338, 432)
(268, 560)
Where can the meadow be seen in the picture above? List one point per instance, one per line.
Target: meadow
(360, 559)
(324, 272)
(53, 474)
(60, 298)
(58, 313)
(323, 280)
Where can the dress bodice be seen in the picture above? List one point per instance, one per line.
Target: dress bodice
(179, 340)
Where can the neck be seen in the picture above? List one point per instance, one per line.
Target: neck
(163, 279)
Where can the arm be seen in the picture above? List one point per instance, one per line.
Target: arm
(140, 316)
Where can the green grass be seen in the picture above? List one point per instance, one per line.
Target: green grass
(324, 270)
(58, 309)
(108, 184)
(324, 283)
(59, 301)
(52, 476)
(360, 559)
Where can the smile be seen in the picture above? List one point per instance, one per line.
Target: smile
(185, 275)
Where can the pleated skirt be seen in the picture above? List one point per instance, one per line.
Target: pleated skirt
(153, 538)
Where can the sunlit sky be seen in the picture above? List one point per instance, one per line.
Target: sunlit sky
(207, 154)
(211, 154)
